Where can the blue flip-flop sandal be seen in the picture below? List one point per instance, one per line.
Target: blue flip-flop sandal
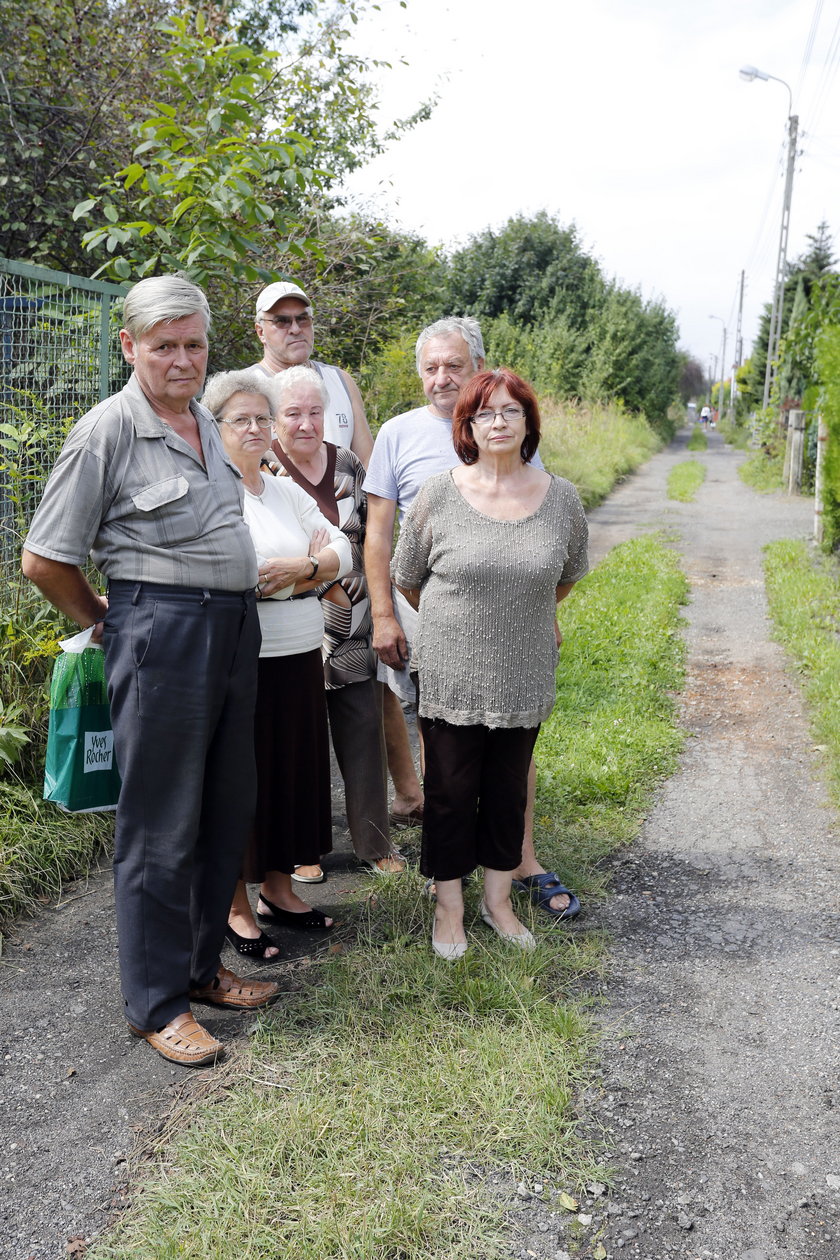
(541, 888)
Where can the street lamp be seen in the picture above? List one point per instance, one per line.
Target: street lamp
(722, 363)
(749, 73)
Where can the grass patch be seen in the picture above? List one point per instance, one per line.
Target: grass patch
(594, 446)
(698, 441)
(611, 736)
(736, 435)
(762, 472)
(685, 479)
(41, 847)
(803, 591)
(363, 1120)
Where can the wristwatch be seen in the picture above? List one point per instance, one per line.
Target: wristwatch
(314, 562)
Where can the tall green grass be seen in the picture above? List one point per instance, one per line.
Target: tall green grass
(362, 1120)
(736, 435)
(594, 446)
(41, 848)
(762, 472)
(697, 440)
(803, 592)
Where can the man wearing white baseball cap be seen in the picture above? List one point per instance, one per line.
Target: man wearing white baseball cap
(284, 326)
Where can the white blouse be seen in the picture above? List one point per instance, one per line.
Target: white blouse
(282, 521)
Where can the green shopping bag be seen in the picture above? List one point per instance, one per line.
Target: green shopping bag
(81, 773)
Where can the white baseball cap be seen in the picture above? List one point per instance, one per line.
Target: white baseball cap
(274, 292)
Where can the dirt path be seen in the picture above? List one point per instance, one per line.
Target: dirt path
(723, 1004)
(721, 1095)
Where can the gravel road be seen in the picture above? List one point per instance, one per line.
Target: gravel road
(719, 1099)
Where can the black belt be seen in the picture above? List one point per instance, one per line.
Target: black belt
(160, 590)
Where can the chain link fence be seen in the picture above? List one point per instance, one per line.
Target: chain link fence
(59, 355)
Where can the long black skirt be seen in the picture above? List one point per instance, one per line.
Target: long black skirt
(293, 825)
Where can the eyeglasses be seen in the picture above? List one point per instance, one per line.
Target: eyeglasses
(286, 321)
(509, 413)
(240, 423)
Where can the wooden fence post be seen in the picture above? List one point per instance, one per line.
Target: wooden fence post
(822, 443)
(796, 446)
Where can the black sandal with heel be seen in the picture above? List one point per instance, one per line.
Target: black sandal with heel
(252, 947)
(301, 920)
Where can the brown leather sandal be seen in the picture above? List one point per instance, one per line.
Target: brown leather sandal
(228, 990)
(183, 1041)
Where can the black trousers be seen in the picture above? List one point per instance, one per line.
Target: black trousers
(181, 666)
(475, 788)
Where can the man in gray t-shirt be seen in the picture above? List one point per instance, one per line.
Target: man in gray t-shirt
(144, 487)
(408, 450)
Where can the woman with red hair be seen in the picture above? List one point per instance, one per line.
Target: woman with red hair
(486, 553)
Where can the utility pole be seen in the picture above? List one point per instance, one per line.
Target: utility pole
(739, 348)
(779, 288)
(722, 322)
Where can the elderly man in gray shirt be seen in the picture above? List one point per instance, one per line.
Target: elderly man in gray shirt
(143, 487)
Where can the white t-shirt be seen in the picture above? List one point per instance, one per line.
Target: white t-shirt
(282, 521)
(409, 449)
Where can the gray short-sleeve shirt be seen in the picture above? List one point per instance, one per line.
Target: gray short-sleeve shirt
(133, 495)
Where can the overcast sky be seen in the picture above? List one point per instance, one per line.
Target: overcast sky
(628, 118)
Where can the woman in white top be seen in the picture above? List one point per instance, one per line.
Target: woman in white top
(297, 550)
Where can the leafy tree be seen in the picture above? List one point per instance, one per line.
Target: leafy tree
(532, 270)
(369, 284)
(70, 75)
(550, 354)
(77, 80)
(209, 174)
(819, 259)
(809, 279)
(634, 356)
(692, 378)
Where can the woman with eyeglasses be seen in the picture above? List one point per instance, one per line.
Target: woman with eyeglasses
(491, 546)
(297, 550)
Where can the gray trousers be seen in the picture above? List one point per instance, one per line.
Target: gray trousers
(181, 666)
(355, 714)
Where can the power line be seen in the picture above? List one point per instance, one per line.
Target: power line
(809, 45)
(830, 67)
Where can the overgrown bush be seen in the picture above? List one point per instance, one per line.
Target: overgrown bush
(29, 632)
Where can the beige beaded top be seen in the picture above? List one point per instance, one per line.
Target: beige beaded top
(485, 648)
